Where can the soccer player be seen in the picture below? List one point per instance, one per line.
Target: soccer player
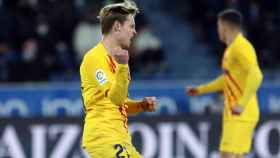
(105, 79)
(239, 83)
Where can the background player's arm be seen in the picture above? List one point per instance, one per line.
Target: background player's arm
(254, 78)
(253, 82)
(214, 86)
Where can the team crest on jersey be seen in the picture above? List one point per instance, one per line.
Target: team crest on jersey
(101, 77)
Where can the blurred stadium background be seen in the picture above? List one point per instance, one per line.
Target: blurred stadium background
(42, 43)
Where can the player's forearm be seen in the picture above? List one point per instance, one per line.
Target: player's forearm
(134, 106)
(119, 89)
(253, 82)
(214, 86)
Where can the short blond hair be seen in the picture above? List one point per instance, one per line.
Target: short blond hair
(116, 12)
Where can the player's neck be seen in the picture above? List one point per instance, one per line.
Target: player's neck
(110, 43)
(231, 37)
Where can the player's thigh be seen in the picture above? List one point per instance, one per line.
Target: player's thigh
(133, 153)
(237, 137)
(119, 150)
(240, 156)
(227, 155)
(104, 151)
(126, 150)
(231, 155)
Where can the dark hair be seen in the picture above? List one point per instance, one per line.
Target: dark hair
(116, 12)
(231, 16)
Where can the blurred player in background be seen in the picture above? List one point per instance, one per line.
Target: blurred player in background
(105, 79)
(239, 83)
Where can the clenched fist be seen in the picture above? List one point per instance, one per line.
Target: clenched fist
(149, 104)
(191, 91)
(121, 55)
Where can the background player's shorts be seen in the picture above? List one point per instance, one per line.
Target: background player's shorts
(123, 150)
(237, 136)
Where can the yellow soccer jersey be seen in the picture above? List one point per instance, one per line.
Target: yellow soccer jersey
(105, 95)
(240, 81)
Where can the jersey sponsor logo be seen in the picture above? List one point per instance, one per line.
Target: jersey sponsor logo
(101, 77)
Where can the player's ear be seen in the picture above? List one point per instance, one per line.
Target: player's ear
(116, 26)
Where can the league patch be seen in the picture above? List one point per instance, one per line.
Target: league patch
(101, 77)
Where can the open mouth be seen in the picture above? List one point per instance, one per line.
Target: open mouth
(132, 39)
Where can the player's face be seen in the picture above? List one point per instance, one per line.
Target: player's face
(127, 32)
(221, 30)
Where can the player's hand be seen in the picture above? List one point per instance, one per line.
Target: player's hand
(237, 110)
(121, 55)
(149, 104)
(191, 91)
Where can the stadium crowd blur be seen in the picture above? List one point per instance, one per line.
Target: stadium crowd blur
(44, 40)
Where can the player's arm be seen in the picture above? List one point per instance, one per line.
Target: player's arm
(134, 106)
(213, 86)
(118, 91)
(247, 59)
(148, 104)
